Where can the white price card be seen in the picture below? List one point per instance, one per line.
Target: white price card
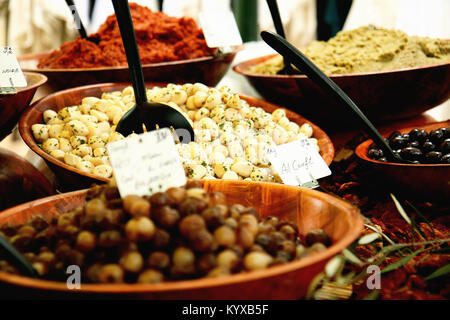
(220, 29)
(147, 163)
(11, 75)
(298, 163)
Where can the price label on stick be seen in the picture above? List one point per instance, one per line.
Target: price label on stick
(298, 163)
(11, 75)
(220, 29)
(146, 164)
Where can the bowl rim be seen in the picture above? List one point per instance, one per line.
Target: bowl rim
(42, 79)
(239, 68)
(352, 212)
(362, 148)
(31, 143)
(32, 56)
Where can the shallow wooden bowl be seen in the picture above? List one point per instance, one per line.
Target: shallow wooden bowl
(70, 178)
(382, 96)
(417, 180)
(306, 208)
(12, 106)
(208, 70)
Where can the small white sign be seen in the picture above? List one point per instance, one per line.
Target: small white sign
(220, 29)
(11, 75)
(146, 164)
(298, 163)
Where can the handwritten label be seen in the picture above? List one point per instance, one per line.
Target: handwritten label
(220, 29)
(11, 75)
(146, 164)
(298, 163)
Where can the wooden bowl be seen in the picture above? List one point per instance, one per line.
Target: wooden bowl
(382, 96)
(417, 180)
(306, 208)
(12, 106)
(208, 70)
(70, 178)
(20, 181)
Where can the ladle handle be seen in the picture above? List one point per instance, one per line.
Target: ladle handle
(77, 18)
(315, 74)
(273, 7)
(123, 14)
(15, 258)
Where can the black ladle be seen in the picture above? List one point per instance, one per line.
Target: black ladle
(276, 18)
(153, 115)
(15, 258)
(81, 29)
(326, 84)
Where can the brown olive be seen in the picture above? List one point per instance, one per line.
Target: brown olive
(161, 199)
(110, 273)
(191, 206)
(38, 222)
(288, 247)
(262, 239)
(213, 217)
(218, 272)
(236, 210)
(95, 191)
(93, 271)
(161, 238)
(94, 207)
(9, 230)
(198, 193)
(217, 198)
(252, 211)
(136, 206)
(167, 217)
(176, 194)
(150, 276)
(299, 250)
(272, 221)
(256, 247)
(86, 241)
(109, 238)
(30, 256)
(228, 259)
(315, 248)
(289, 232)
(21, 242)
(140, 229)
(193, 184)
(111, 193)
(184, 259)
(223, 209)
(158, 260)
(132, 262)
(230, 222)
(249, 221)
(76, 257)
(246, 237)
(225, 236)
(191, 224)
(317, 236)
(206, 262)
(202, 240)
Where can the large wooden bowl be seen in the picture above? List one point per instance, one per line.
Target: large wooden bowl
(430, 181)
(208, 70)
(12, 106)
(382, 96)
(70, 178)
(306, 208)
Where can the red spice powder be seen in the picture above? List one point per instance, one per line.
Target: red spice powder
(160, 38)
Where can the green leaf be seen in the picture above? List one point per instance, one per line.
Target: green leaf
(400, 209)
(350, 256)
(381, 233)
(368, 238)
(373, 295)
(333, 266)
(439, 272)
(401, 262)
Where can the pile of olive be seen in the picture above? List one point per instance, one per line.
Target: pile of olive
(417, 146)
(183, 233)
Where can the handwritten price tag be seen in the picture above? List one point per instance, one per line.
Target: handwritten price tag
(146, 164)
(220, 29)
(298, 163)
(11, 75)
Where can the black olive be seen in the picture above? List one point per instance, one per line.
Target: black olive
(446, 132)
(433, 157)
(446, 159)
(393, 135)
(437, 136)
(418, 135)
(398, 142)
(428, 146)
(384, 159)
(406, 137)
(375, 153)
(445, 146)
(411, 153)
(414, 144)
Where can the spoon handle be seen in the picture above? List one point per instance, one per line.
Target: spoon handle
(315, 74)
(76, 17)
(123, 14)
(14, 257)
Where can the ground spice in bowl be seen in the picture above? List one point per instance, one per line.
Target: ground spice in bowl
(160, 38)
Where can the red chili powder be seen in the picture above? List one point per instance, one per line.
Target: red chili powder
(160, 38)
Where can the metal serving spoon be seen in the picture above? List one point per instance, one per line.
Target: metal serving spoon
(81, 29)
(13, 256)
(326, 84)
(153, 115)
(276, 18)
